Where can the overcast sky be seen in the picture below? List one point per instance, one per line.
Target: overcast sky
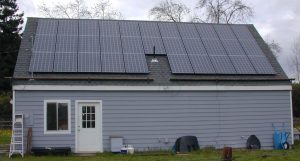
(277, 19)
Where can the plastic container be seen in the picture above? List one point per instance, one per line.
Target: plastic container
(127, 149)
(280, 138)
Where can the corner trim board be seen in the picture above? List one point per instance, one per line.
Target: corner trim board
(149, 88)
(292, 119)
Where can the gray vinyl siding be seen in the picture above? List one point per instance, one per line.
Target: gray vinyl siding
(146, 119)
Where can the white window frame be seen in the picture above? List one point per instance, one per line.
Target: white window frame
(69, 117)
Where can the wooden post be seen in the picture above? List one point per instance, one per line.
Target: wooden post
(227, 154)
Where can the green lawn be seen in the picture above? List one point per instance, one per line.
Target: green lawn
(5, 136)
(298, 127)
(205, 155)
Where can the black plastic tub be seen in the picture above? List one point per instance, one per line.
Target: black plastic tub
(61, 150)
(51, 150)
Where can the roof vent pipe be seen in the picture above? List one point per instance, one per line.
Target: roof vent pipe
(154, 59)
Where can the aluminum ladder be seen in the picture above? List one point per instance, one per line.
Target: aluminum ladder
(17, 138)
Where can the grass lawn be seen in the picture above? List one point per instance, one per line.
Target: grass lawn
(298, 127)
(205, 155)
(5, 136)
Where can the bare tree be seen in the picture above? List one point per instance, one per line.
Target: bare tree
(104, 10)
(225, 11)
(273, 45)
(73, 9)
(78, 9)
(296, 57)
(169, 11)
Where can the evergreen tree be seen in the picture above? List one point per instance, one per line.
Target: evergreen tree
(10, 38)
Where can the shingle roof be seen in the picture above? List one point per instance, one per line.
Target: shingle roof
(160, 73)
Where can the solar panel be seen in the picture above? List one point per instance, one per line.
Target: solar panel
(233, 47)
(168, 30)
(88, 44)
(132, 45)
(261, 64)
(206, 31)
(242, 64)
(194, 46)
(65, 62)
(135, 63)
(128, 28)
(47, 27)
(118, 47)
(109, 28)
(224, 32)
(149, 43)
(188, 31)
(67, 27)
(112, 63)
(174, 46)
(214, 47)
(202, 64)
(67, 44)
(149, 29)
(89, 27)
(180, 64)
(222, 64)
(44, 43)
(89, 62)
(251, 47)
(41, 62)
(242, 32)
(110, 44)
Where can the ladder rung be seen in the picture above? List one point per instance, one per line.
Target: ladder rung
(17, 136)
(17, 143)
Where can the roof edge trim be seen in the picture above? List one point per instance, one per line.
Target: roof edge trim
(150, 88)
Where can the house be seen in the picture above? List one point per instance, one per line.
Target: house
(80, 82)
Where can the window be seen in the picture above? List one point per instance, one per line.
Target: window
(57, 116)
(88, 116)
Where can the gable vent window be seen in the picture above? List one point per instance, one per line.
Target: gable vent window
(57, 117)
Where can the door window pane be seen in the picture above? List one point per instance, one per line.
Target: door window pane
(83, 109)
(83, 124)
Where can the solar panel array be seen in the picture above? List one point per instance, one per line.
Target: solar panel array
(87, 46)
(121, 46)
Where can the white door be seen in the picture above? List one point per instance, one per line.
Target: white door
(89, 127)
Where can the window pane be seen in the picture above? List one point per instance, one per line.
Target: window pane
(62, 116)
(51, 116)
(83, 109)
(88, 116)
(93, 109)
(93, 117)
(83, 124)
(93, 124)
(88, 124)
(83, 116)
(88, 109)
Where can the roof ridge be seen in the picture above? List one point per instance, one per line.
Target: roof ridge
(139, 21)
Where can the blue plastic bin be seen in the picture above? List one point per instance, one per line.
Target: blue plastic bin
(279, 139)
